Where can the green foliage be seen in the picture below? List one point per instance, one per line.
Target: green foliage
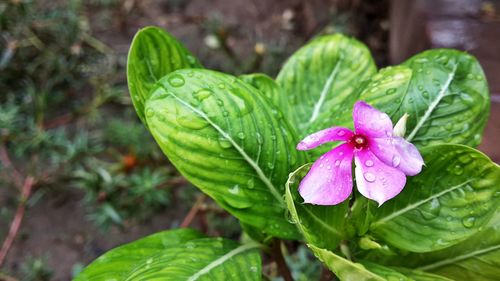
(114, 195)
(228, 155)
(36, 269)
(234, 138)
(320, 78)
(181, 254)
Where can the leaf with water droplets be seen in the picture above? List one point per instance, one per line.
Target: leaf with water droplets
(226, 141)
(445, 104)
(153, 54)
(181, 254)
(448, 202)
(320, 79)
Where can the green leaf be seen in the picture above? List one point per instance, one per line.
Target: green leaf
(119, 262)
(267, 86)
(444, 91)
(153, 54)
(348, 270)
(323, 75)
(221, 134)
(419, 275)
(454, 196)
(321, 226)
(386, 272)
(202, 259)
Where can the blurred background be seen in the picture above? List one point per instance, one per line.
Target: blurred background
(79, 174)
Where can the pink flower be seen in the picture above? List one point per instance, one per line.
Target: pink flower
(382, 160)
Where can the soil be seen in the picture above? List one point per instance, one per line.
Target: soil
(57, 226)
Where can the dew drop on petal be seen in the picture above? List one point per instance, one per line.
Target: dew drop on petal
(396, 160)
(369, 177)
(337, 163)
(369, 163)
(340, 133)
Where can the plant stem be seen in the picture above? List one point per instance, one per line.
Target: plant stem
(18, 218)
(280, 260)
(192, 213)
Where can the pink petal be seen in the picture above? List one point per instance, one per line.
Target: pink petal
(398, 153)
(374, 179)
(370, 122)
(326, 135)
(329, 181)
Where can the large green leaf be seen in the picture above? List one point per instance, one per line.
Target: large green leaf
(323, 75)
(118, 263)
(222, 135)
(451, 200)
(419, 275)
(444, 91)
(153, 54)
(177, 255)
(321, 226)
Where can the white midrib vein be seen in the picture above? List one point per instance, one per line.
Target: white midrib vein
(416, 204)
(247, 158)
(222, 259)
(458, 258)
(322, 223)
(433, 105)
(324, 92)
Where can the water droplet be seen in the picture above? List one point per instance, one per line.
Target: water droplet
(202, 94)
(340, 133)
(369, 163)
(150, 112)
(221, 86)
(234, 190)
(396, 160)
(251, 183)
(448, 126)
(241, 135)
(225, 113)
(259, 138)
(470, 76)
(431, 210)
(337, 163)
(391, 91)
(479, 77)
(176, 80)
(369, 177)
(224, 143)
(425, 94)
(420, 88)
(468, 221)
(270, 165)
(458, 170)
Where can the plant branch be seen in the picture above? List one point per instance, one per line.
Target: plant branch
(18, 218)
(192, 213)
(280, 260)
(7, 163)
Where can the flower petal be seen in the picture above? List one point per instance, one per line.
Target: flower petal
(326, 135)
(370, 122)
(329, 181)
(374, 179)
(398, 153)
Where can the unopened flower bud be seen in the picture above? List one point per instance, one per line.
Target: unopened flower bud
(400, 128)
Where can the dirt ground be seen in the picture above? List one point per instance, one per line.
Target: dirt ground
(57, 227)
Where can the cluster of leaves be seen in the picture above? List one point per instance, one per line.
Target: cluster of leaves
(234, 138)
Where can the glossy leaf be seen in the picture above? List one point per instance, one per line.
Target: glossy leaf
(323, 75)
(419, 275)
(221, 134)
(153, 54)
(202, 259)
(321, 226)
(444, 92)
(118, 263)
(451, 200)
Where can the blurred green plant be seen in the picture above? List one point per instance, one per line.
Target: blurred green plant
(36, 269)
